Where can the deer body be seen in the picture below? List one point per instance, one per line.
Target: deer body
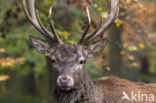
(104, 90)
(72, 82)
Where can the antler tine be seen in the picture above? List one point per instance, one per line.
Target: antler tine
(35, 21)
(95, 31)
(30, 17)
(88, 26)
(112, 16)
(52, 27)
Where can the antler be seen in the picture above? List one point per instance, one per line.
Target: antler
(100, 30)
(52, 26)
(88, 26)
(34, 18)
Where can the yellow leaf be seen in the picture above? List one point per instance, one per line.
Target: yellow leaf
(65, 34)
(71, 42)
(139, 5)
(99, 8)
(7, 63)
(141, 45)
(118, 22)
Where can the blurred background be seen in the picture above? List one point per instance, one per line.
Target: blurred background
(26, 75)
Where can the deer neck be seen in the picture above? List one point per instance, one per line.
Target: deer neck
(84, 92)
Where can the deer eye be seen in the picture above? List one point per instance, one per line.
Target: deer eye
(53, 61)
(81, 61)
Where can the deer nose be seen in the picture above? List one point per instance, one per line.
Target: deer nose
(64, 81)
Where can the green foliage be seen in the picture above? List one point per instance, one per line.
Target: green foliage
(96, 72)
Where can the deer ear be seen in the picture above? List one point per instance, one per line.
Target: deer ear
(96, 48)
(42, 46)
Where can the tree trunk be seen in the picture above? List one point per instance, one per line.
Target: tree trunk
(115, 59)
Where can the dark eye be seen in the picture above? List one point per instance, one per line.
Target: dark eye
(81, 62)
(53, 61)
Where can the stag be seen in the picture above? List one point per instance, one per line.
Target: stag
(72, 82)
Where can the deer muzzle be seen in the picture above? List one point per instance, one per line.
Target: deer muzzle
(65, 83)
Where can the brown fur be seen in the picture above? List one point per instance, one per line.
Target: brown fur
(105, 90)
(112, 88)
(85, 92)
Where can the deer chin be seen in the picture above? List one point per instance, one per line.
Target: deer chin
(65, 88)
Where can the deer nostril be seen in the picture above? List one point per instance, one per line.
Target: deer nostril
(64, 80)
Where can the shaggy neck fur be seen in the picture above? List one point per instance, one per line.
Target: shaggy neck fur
(85, 92)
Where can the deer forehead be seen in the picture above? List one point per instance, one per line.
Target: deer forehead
(68, 52)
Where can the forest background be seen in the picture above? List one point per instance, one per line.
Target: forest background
(26, 75)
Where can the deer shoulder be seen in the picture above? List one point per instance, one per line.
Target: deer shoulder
(113, 87)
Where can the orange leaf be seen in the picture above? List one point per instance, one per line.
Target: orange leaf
(125, 26)
(2, 50)
(131, 57)
(122, 52)
(18, 60)
(155, 10)
(4, 77)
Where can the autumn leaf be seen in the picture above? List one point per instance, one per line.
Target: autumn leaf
(10, 61)
(139, 5)
(71, 42)
(99, 8)
(125, 26)
(146, 10)
(154, 10)
(118, 22)
(141, 45)
(19, 60)
(131, 57)
(122, 53)
(127, 1)
(4, 77)
(65, 34)
(2, 50)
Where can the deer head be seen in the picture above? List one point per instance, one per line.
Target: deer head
(68, 60)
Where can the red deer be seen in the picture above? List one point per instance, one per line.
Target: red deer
(72, 82)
